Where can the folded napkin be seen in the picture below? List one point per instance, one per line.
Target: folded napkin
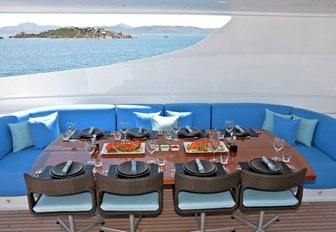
(140, 130)
(190, 131)
(66, 167)
(134, 166)
(241, 130)
(91, 130)
(199, 165)
(269, 164)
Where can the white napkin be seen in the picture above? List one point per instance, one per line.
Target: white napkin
(241, 130)
(140, 130)
(199, 165)
(269, 164)
(91, 130)
(134, 166)
(66, 167)
(190, 131)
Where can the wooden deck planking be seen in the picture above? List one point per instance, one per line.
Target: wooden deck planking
(311, 216)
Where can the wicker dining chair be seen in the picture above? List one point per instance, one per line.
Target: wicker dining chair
(133, 197)
(63, 197)
(261, 192)
(199, 196)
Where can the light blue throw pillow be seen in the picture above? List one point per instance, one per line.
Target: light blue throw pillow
(185, 118)
(306, 130)
(21, 136)
(286, 129)
(268, 122)
(164, 123)
(144, 120)
(44, 130)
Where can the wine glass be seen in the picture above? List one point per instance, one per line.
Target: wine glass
(89, 148)
(152, 147)
(278, 144)
(71, 127)
(124, 129)
(176, 129)
(229, 126)
(214, 146)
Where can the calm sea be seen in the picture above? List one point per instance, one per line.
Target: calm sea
(28, 56)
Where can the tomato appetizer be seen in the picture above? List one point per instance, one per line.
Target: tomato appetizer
(131, 146)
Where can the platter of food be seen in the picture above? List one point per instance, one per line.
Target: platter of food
(131, 147)
(202, 146)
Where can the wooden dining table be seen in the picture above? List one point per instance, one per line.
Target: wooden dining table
(248, 148)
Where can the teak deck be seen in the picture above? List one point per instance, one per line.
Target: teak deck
(317, 216)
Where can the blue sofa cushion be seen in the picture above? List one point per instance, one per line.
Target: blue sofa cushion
(286, 129)
(324, 135)
(84, 115)
(269, 119)
(185, 118)
(126, 112)
(250, 115)
(306, 130)
(322, 164)
(201, 113)
(44, 130)
(21, 136)
(5, 134)
(13, 166)
(164, 123)
(145, 119)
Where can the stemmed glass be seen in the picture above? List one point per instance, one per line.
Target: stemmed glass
(89, 148)
(124, 129)
(214, 146)
(152, 147)
(229, 126)
(71, 127)
(176, 129)
(278, 144)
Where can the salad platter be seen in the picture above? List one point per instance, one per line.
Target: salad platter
(203, 146)
(132, 147)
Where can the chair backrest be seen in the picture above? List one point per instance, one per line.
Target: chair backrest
(252, 180)
(216, 184)
(67, 186)
(130, 186)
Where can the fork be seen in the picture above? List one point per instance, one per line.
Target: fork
(292, 167)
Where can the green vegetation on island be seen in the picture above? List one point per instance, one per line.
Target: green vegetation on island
(75, 33)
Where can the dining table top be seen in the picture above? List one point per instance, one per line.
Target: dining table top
(248, 148)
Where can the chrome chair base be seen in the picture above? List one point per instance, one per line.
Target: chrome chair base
(261, 227)
(72, 226)
(133, 225)
(201, 225)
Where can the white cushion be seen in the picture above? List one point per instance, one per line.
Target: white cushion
(164, 123)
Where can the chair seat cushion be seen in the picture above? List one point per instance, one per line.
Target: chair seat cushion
(190, 201)
(142, 202)
(260, 198)
(68, 203)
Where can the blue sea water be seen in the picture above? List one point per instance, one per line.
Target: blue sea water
(28, 56)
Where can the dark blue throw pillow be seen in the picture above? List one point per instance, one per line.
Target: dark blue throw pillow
(286, 129)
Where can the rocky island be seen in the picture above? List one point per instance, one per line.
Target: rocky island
(75, 33)
(1, 37)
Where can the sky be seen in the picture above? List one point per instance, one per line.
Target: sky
(83, 20)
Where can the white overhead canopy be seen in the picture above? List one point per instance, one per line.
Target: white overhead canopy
(208, 7)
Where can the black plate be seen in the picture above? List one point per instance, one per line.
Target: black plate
(259, 166)
(74, 170)
(125, 169)
(184, 132)
(246, 132)
(191, 168)
(134, 133)
(96, 131)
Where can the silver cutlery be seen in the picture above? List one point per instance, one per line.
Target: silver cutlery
(172, 172)
(227, 170)
(38, 172)
(292, 167)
